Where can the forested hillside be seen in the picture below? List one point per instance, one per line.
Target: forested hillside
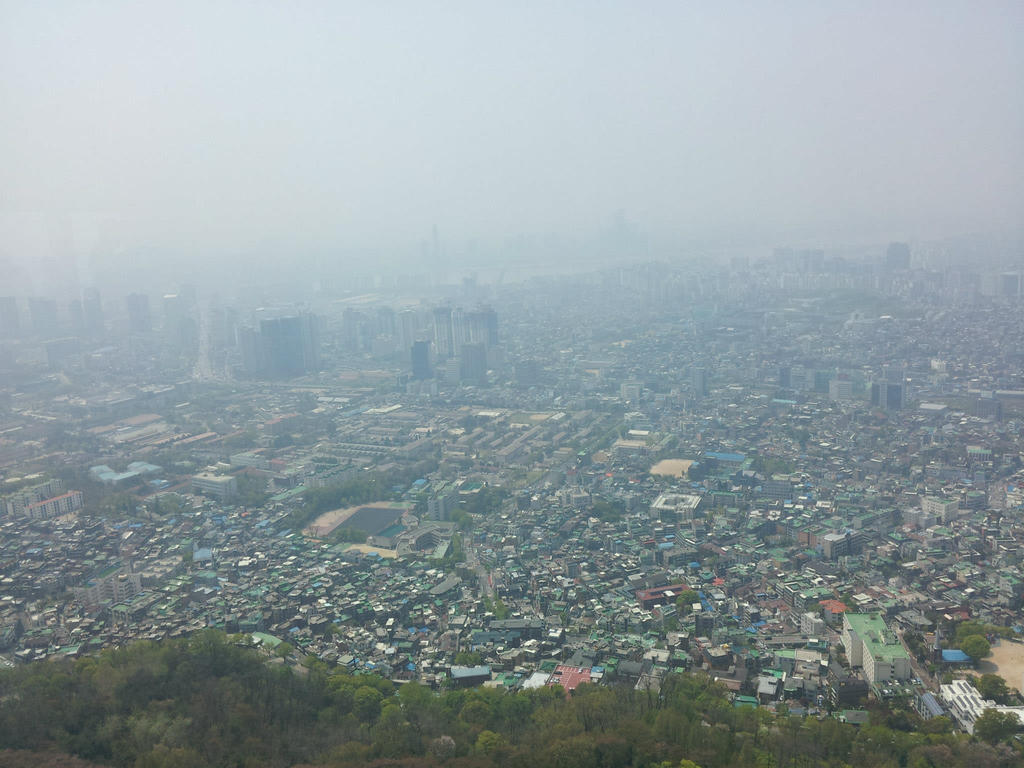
(207, 702)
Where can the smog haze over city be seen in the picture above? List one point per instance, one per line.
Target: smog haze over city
(138, 137)
(522, 385)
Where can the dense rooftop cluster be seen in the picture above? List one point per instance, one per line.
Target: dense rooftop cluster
(803, 475)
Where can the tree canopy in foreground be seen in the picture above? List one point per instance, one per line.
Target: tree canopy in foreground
(204, 701)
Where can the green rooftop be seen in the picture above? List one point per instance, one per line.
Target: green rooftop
(878, 639)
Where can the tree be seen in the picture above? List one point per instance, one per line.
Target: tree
(468, 658)
(240, 441)
(993, 687)
(976, 647)
(915, 643)
(366, 703)
(486, 501)
(994, 726)
(490, 743)
(974, 627)
(940, 724)
(476, 713)
(347, 533)
(252, 491)
(118, 504)
(462, 519)
(394, 737)
(169, 505)
(608, 511)
(500, 609)
(283, 650)
(686, 600)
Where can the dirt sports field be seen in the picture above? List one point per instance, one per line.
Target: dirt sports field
(672, 467)
(1007, 661)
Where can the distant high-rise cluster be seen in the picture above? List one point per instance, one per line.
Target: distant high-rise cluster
(897, 256)
(462, 342)
(43, 314)
(139, 319)
(283, 347)
(83, 317)
(454, 328)
(10, 324)
(888, 395)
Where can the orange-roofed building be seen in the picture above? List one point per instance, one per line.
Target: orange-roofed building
(834, 609)
(570, 677)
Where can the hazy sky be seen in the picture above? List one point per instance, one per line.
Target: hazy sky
(221, 127)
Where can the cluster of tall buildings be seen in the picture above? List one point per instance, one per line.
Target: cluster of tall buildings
(461, 340)
(454, 328)
(282, 347)
(45, 317)
(887, 393)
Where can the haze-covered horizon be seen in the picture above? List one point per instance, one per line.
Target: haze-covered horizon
(145, 137)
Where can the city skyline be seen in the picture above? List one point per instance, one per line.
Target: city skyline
(235, 137)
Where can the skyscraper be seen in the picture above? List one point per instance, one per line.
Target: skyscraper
(44, 315)
(179, 327)
(408, 324)
(785, 377)
(840, 388)
(92, 311)
(699, 382)
(460, 330)
(420, 359)
(490, 320)
(482, 326)
(897, 256)
(310, 341)
(387, 326)
(250, 346)
(282, 346)
(444, 334)
(888, 395)
(1009, 285)
(139, 318)
(10, 324)
(352, 329)
(473, 364)
(76, 315)
(291, 345)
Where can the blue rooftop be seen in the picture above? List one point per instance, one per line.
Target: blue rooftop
(931, 704)
(955, 656)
